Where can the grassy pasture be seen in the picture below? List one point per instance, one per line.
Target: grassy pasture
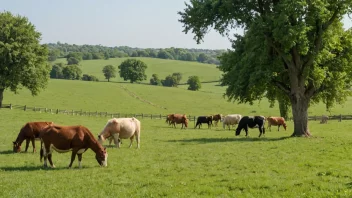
(162, 67)
(184, 163)
(174, 162)
(113, 97)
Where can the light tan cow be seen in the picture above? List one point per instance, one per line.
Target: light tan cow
(121, 128)
(231, 119)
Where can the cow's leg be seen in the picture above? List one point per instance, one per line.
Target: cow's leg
(110, 140)
(278, 127)
(45, 155)
(33, 144)
(79, 160)
(246, 130)
(50, 160)
(27, 144)
(116, 140)
(131, 141)
(138, 139)
(261, 130)
(73, 156)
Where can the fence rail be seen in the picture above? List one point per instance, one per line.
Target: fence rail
(141, 115)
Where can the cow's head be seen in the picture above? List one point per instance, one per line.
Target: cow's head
(102, 157)
(238, 131)
(285, 126)
(16, 147)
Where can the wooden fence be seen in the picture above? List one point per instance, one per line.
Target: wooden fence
(91, 113)
(141, 115)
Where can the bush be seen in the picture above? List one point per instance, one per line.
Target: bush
(194, 83)
(155, 80)
(87, 77)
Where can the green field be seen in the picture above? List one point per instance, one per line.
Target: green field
(173, 162)
(162, 67)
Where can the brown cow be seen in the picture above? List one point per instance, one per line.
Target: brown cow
(169, 119)
(70, 138)
(217, 118)
(276, 121)
(29, 132)
(179, 119)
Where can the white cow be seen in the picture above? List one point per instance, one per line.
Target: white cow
(121, 128)
(231, 119)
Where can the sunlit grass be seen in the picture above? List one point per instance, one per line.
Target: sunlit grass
(182, 163)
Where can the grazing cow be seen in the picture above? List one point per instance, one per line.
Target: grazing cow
(251, 122)
(179, 119)
(324, 119)
(29, 132)
(122, 128)
(217, 118)
(70, 138)
(231, 119)
(204, 119)
(276, 121)
(169, 119)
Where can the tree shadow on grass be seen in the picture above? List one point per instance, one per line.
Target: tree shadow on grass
(6, 152)
(240, 139)
(29, 168)
(37, 168)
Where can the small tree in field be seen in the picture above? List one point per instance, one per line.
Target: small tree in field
(194, 83)
(109, 72)
(23, 60)
(133, 70)
(155, 80)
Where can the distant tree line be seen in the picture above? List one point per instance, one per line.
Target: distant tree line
(92, 52)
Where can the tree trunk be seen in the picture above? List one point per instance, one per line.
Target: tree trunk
(108, 79)
(1, 96)
(284, 108)
(300, 116)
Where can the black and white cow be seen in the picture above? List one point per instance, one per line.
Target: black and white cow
(251, 122)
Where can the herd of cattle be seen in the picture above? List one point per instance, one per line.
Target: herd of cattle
(76, 138)
(79, 138)
(244, 122)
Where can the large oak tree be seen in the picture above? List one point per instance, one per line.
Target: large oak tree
(23, 60)
(297, 51)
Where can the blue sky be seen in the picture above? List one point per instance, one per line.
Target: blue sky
(134, 23)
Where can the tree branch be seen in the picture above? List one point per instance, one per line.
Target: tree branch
(281, 86)
(279, 52)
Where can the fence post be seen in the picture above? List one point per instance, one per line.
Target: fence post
(57, 111)
(160, 116)
(106, 114)
(46, 109)
(194, 121)
(10, 106)
(34, 109)
(142, 116)
(151, 116)
(118, 115)
(72, 112)
(25, 108)
(315, 118)
(340, 117)
(51, 111)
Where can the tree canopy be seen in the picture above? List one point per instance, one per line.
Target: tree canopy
(23, 60)
(295, 50)
(109, 72)
(133, 70)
